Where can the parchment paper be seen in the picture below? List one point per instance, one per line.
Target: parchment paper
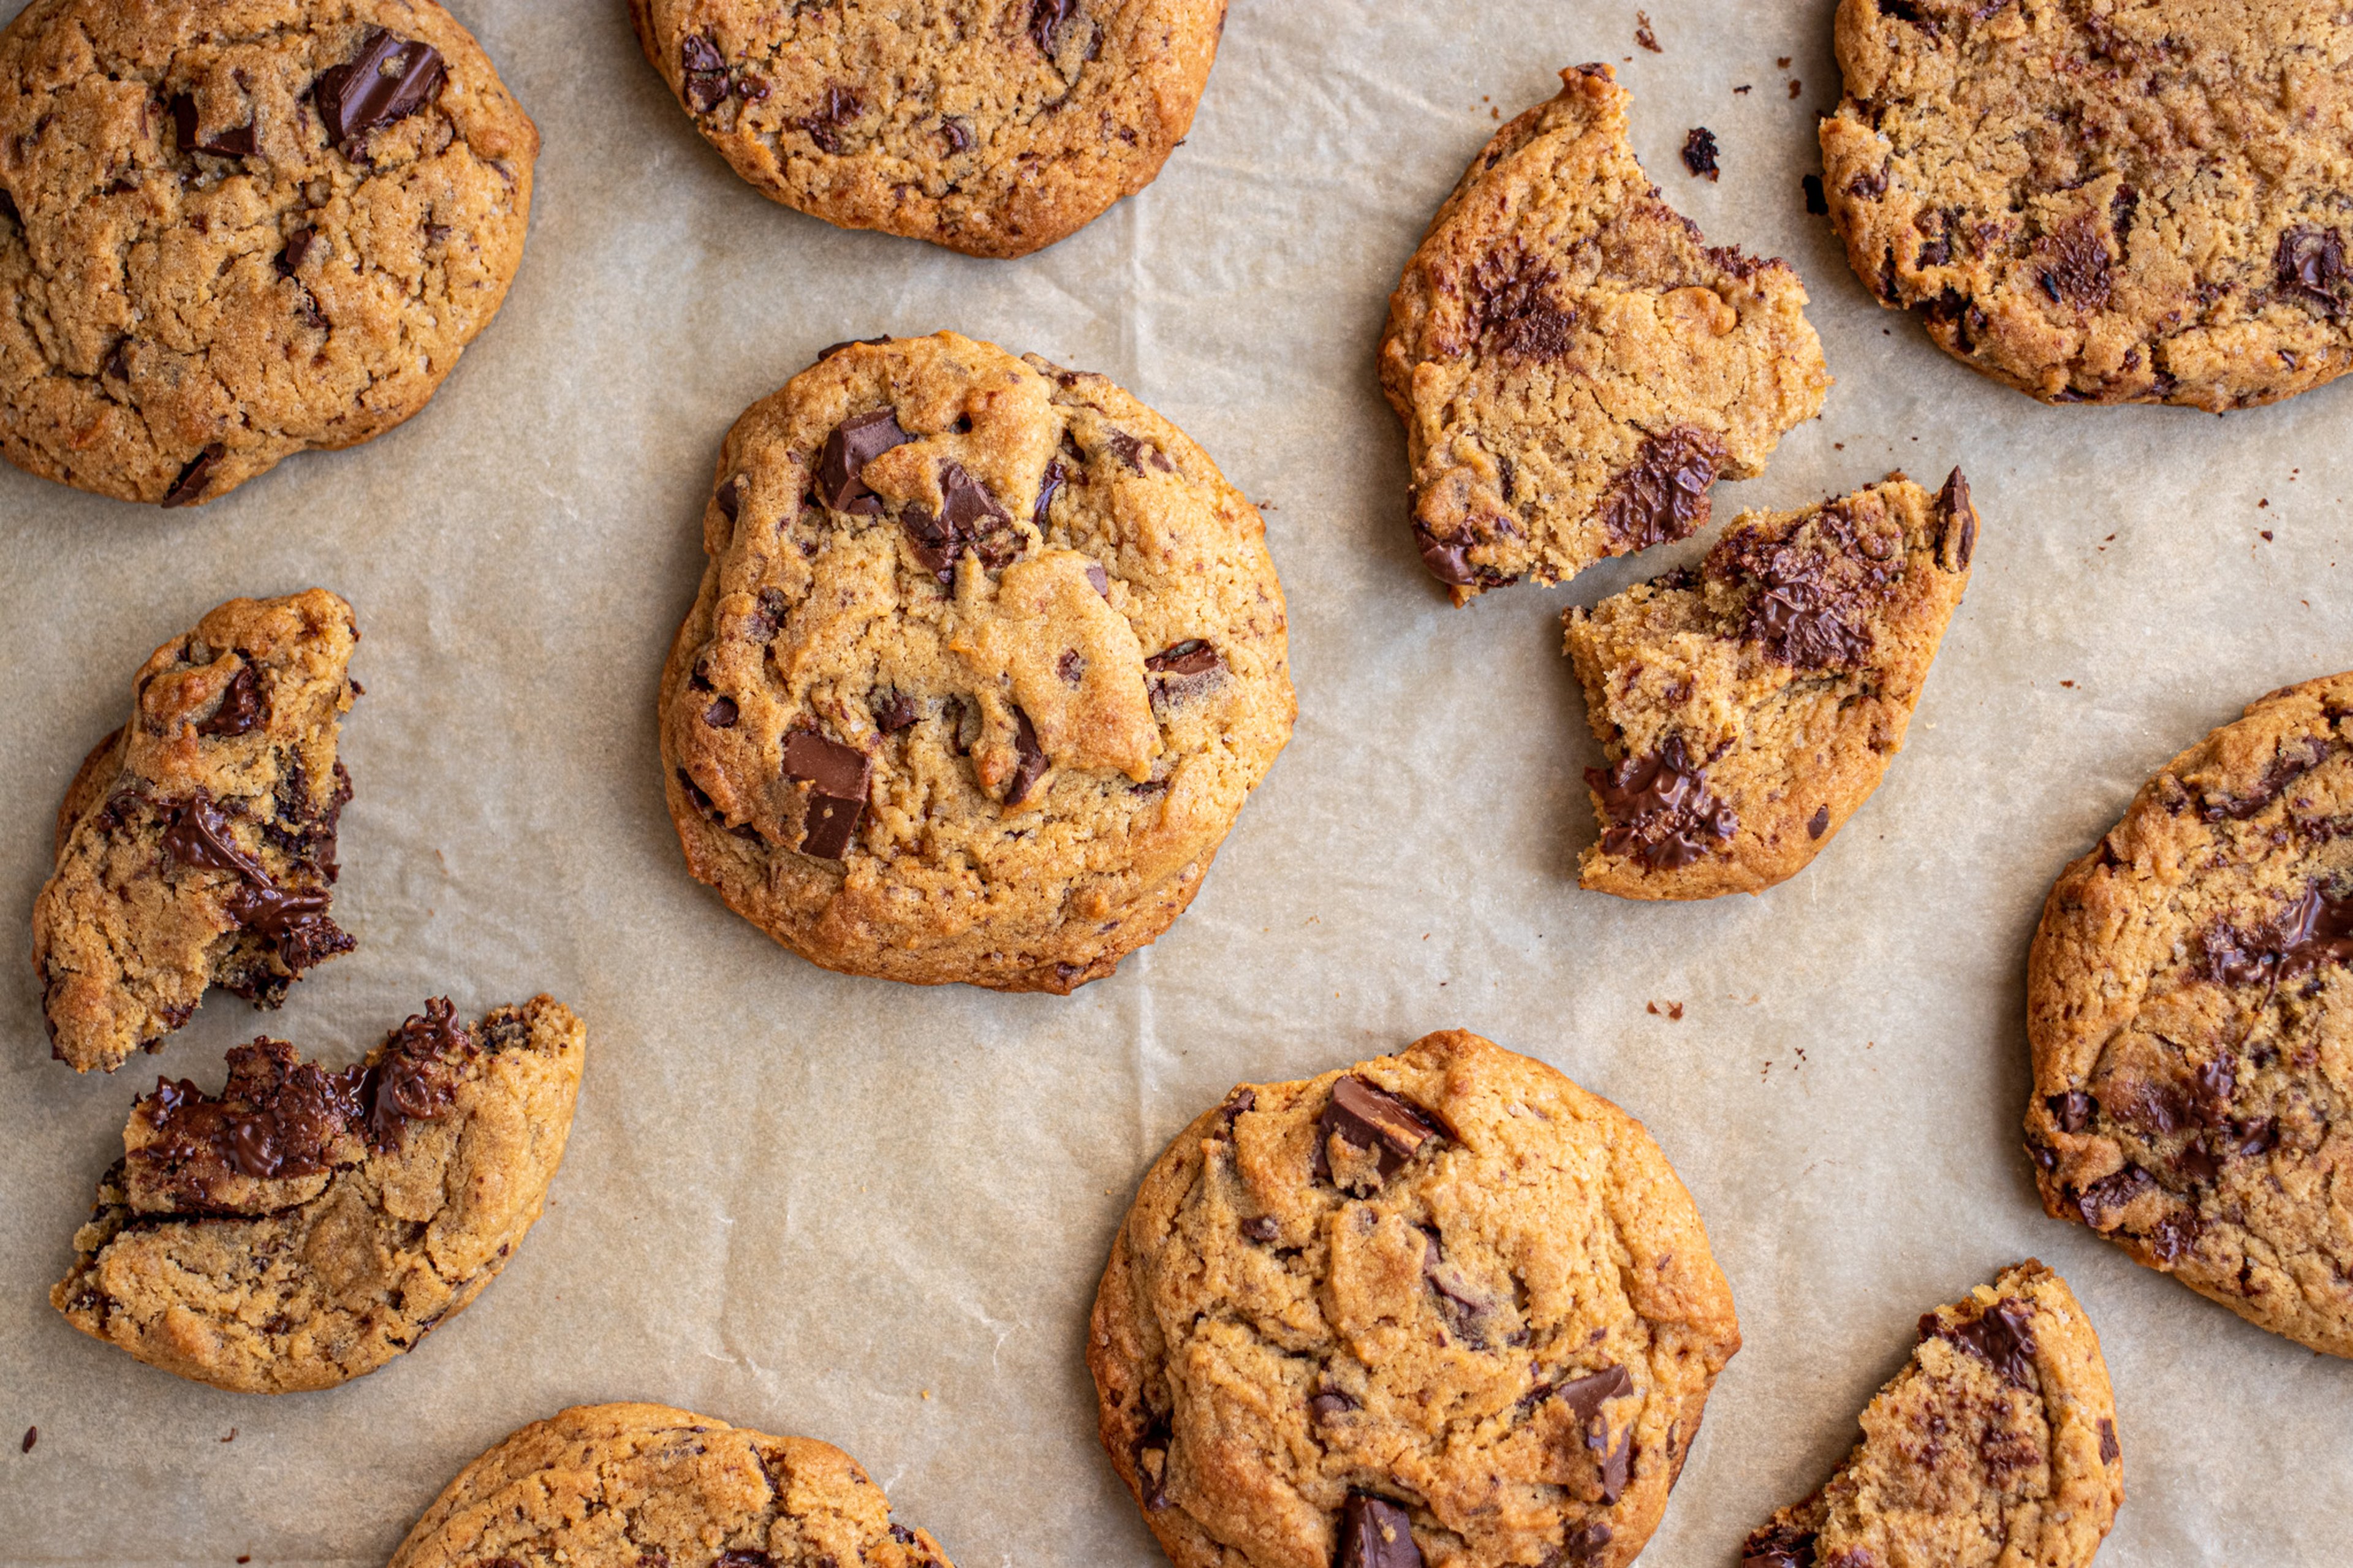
(874, 1214)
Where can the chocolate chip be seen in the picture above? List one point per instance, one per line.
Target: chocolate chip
(2310, 265)
(195, 478)
(702, 72)
(1817, 201)
(1328, 1403)
(1126, 449)
(298, 250)
(241, 706)
(1029, 764)
(1662, 497)
(722, 714)
(855, 443)
(1779, 1546)
(1659, 808)
(1819, 823)
(1100, 580)
(8, 209)
(1191, 657)
(1959, 540)
(197, 834)
(2109, 1452)
(730, 496)
(390, 78)
(1368, 1116)
(761, 624)
(896, 712)
(1375, 1533)
(1699, 152)
(2073, 1111)
(837, 109)
(2003, 1337)
(958, 137)
(1071, 667)
(838, 777)
(1261, 1228)
(1046, 20)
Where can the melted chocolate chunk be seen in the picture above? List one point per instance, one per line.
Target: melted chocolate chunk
(1807, 608)
(1516, 313)
(234, 143)
(830, 350)
(837, 109)
(242, 706)
(196, 833)
(294, 921)
(702, 72)
(1779, 1546)
(2317, 929)
(2287, 767)
(2310, 265)
(1029, 763)
(730, 496)
(2106, 1200)
(1046, 20)
(1375, 1533)
(2003, 1337)
(855, 443)
(838, 776)
(1370, 1117)
(297, 251)
(1663, 496)
(2075, 264)
(1448, 560)
(390, 78)
(1659, 808)
(1055, 476)
(415, 1080)
(1191, 657)
(1960, 513)
(277, 1117)
(195, 479)
(969, 518)
(2073, 1111)
(1699, 153)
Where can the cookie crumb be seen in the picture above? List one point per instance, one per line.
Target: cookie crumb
(1642, 34)
(1781, 61)
(1699, 153)
(1796, 87)
(232, 1435)
(1741, 91)
(32, 1436)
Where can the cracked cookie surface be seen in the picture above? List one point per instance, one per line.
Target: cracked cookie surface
(305, 1226)
(196, 846)
(993, 128)
(234, 229)
(1995, 1445)
(2143, 201)
(1574, 365)
(1749, 707)
(2188, 1003)
(986, 657)
(1442, 1306)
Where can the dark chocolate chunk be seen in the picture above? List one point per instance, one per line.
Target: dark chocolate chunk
(415, 1080)
(965, 506)
(1126, 449)
(1818, 201)
(830, 350)
(837, 109)
(2075, 264)
(1659, 808)
(2105, 1201)
(1191, 657)
(242, 706)
(2315, 929)
(838, 776)
(1663, 496)
(234, 143)
(743, 1557)
(2003, 1337)
(1586, 1395)
(1448, 560)
(390, 78)
(1699, 152)
(1616, 1466)
(2109, 1452)
(1807, 610)
(722, 714)
(1152, 1462)
(2073, 1111)
(1329, 1402)
(1029, 763)
(1819, 823)
(195, 478)
(1375, 1533)
(1046, 20)
(1779, 1546)
(855, 443)
(730, 496)
(293, 919)
(1512, 299)
(1100, 580)
(2287, 765)
(32, 1436)
(1370, 1117)
(297, 251)
(895, 712)
(196, 833)
(702, 73)
(1261, 1228)
(1053, 480)
(1071, 667)
(2310, 265)
(1960, 513)
(1584, 1544)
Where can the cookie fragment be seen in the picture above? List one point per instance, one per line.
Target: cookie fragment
(1748, 708)
(2096, 204)
(304, 1226)
(1995, 1443)
(196, 846)
(2186, 992)
(673, 1488)
(1347, 1316)
(1575, 365)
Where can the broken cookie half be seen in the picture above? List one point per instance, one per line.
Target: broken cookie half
(1574, 364)
(1747, 708)
(196, 846)
(305, 1226)
(1996, 1444)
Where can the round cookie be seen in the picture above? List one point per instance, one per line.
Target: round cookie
(2104, 203)
(640, 1484)
(1441, 1305)
(992, 127)
(234, 229)
(986, 656)
(2188, 996)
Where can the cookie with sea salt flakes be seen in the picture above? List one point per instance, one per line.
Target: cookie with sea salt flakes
(1574, 365)
(2189, 995)
(630, 1486)
(1995, 1445)
(1749, 707)
(233, 229)
(305, 1226)
(2099, 203)
(986, 658)
(992, 127)
(1443, 1306)
(196, 846)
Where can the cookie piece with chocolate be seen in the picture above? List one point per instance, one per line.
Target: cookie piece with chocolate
(304, 1226)
(993, 128)
(1439, 1306)
(196, 846)
(234, 229)
(675, 1489)
(1574, 364)
(1749, 707)
(1996, 1444)
(2104, 204)
(986, 658)
(2188, 997)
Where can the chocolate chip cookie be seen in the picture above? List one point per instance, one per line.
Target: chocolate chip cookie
(1574, 365)
(234, 229)
(1995, 1445)
(2104, 203)
(1441, 1305)
(986, 658)
(1749, 707)
(196, 846)
(643, 1484)
(2188, 997)
(305, 1226)
(993, 127)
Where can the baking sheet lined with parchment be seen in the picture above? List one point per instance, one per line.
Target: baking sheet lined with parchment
(874, 1214)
